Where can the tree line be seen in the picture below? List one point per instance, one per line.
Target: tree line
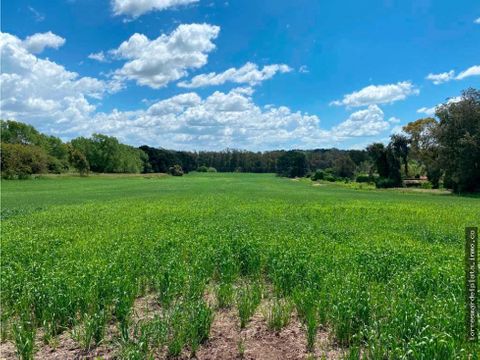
(26, 151)
(446, 150)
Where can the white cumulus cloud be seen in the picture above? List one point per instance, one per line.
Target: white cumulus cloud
(63, 103)
(366, 122)
(427, 111)
(41, 91)
(218, 121)
(136, 8)
(477, 21)
(394, 120)
(248, 74)
(157, 62)
(447, 76)
(471, 71)
(39, 41)
(378, 94)
(99, 56)
(441, 78)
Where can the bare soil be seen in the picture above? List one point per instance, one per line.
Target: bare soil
(227, 340)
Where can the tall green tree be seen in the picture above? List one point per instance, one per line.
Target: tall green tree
(292, 164)
(387, 164)
(424, 147)
(79, 161)
(107, 154)
(458, 137)
(344, 166)
(400, 146)
(378, 155)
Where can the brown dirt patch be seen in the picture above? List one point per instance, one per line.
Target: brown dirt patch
(258, 342)
(66, 348)
(226, 340)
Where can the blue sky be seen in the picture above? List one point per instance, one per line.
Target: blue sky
(204, 74)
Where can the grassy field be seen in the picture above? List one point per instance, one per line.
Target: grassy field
(382, 271)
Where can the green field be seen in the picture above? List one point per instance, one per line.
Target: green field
(381, 270)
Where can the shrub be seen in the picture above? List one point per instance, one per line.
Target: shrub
(211, 170)
(20, 161)
(79, 161)
(330, 177)
(434, 173)
(383, 183)
(176, 170)
(363, 179)
(426, 185)
(56, 166)
(202, 168)
(318, 175)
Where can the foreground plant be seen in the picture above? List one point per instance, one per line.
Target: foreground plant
(24, 332)
(199, 322)
(306, 303)
(278, 314)
(248, 298)
(91, 330)
(225, 295)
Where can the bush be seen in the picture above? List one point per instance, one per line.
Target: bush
(383, 183)
(176, 170)
(434, 173)
(20, 161)
(330, 177)
(318, 175)
(211, 170)
(79, 161)
(56, 166)
(202, 168)
(363, 179)
(426, 185)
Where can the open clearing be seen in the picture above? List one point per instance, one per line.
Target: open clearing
(133, 267)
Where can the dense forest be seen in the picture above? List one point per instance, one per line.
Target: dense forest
(445, 150)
